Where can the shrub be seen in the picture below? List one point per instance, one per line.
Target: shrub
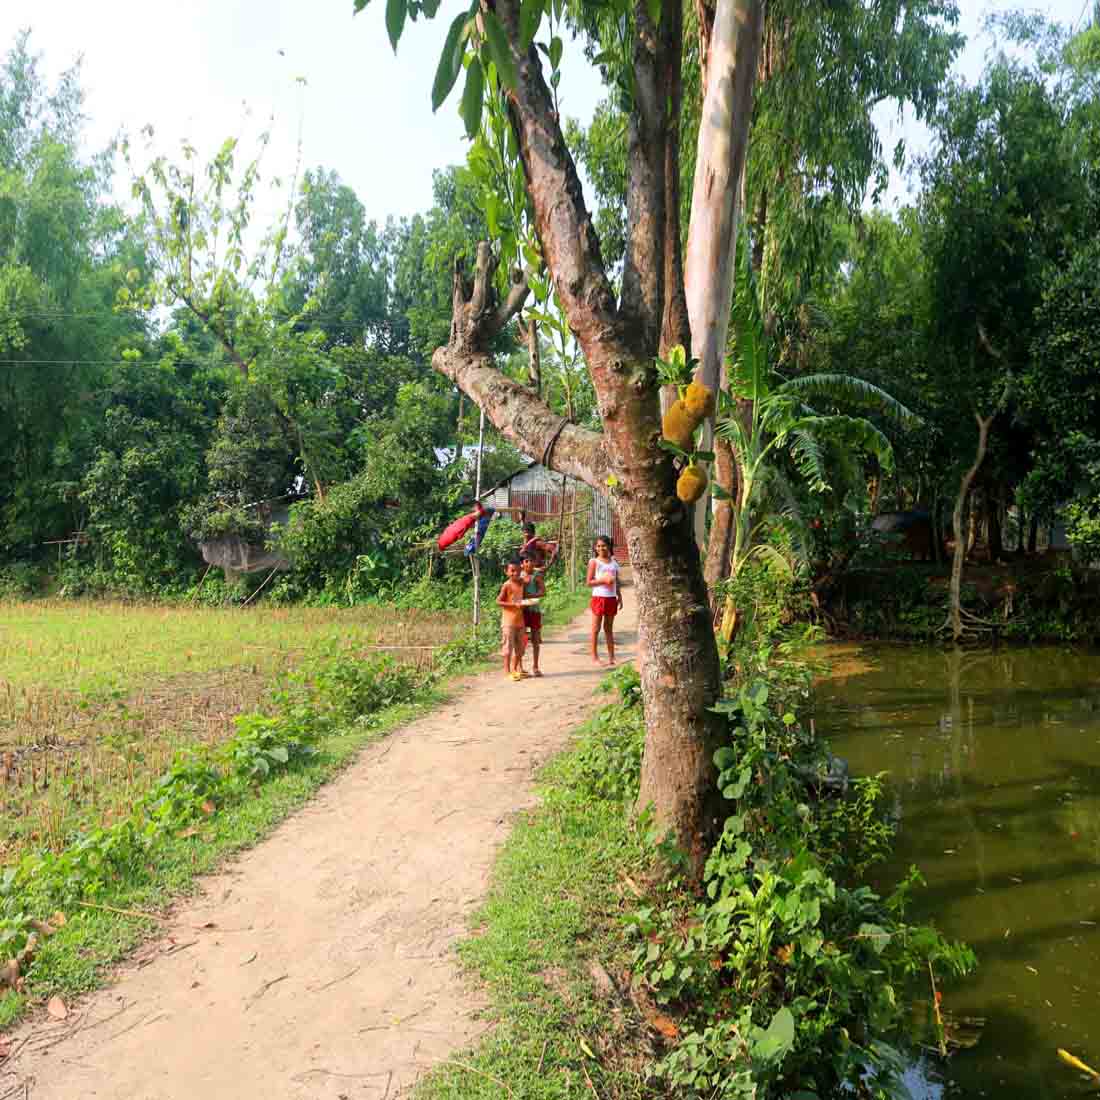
(789, 976)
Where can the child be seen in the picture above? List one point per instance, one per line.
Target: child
(511, 621)
(537, 548)
(533, 586)
(607, 599)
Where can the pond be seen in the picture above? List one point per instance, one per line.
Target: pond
(994, 761)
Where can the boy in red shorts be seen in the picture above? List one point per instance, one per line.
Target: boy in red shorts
(534, 587)
(607, 598)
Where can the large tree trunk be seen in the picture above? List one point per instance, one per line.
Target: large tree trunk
(729, 79)
(955, 609)
(679, 659)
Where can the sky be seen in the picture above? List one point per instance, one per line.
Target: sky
(207, 69)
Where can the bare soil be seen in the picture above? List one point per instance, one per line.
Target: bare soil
(321, 964)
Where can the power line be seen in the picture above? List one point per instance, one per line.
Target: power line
(330, 320)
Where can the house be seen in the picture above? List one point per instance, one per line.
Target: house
(538, 491)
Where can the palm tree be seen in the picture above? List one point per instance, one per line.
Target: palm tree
(765, 416)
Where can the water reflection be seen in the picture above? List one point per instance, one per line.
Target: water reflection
(995, 760)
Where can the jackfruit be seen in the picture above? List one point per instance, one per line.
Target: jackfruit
(699, 401)
(678, 427)
(692, 484)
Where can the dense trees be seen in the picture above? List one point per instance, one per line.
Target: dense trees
(167, 367)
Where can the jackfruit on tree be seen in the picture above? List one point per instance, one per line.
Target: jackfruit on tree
(678, 426)
(692, 484)
(699, 401)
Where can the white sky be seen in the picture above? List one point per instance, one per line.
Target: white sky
(191, 68)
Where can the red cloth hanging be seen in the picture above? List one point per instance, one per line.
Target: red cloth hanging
(454, 531)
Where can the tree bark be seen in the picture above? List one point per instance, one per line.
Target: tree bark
(996, 541)
(955, 611)
(534, 357)
(730, 67)
(720, 542)
(675, 324)
(722, 528)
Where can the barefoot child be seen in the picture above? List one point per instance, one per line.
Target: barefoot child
(511, 621)
(533, 587)
(607, 599)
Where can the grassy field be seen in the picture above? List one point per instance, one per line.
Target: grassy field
(96, 699)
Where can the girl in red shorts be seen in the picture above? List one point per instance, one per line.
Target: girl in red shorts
(607, 599)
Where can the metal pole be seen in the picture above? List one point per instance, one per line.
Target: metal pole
(477, 496)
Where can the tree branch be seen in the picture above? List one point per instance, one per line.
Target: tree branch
(642, 303)
(564, 226)
(675, 328)
(520, 415)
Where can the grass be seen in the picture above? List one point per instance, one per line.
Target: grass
(555, 907)
(78, 957)
(95, 648)
(96, 699)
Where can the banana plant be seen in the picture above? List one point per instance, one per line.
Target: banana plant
(764, 416)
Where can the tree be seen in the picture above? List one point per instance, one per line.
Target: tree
(770, 416)
(1005, 194)
(619, 336)
(63, 255)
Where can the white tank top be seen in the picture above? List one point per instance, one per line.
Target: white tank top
(608, 572)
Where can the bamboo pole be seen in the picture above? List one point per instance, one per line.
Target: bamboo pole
(475, 564)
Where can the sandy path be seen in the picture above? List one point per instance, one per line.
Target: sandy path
(330, 970)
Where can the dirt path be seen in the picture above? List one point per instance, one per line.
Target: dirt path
(321, 964)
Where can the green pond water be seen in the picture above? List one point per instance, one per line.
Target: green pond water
(994, 760)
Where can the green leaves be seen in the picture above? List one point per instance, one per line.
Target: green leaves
(473, 96)
(774, 1043)
(500, 50)
(450, 60)
(396, 11)
(530, 16)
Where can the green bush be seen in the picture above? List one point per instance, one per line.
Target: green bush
(790, 976)
(607, 761)
(19, 580)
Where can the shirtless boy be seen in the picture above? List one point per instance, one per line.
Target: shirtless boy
(509, 600)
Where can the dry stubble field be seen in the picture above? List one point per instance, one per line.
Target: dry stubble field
(97, 698)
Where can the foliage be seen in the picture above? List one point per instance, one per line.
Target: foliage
(331, 692)
(766, 419)
(791, 977)
(607, 761)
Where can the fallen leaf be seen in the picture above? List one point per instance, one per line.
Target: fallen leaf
(208, 807)
(193, 831)
(5, 1048)
(784, 953)
(665, 1026)
(58, 919)
(57, 1009)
